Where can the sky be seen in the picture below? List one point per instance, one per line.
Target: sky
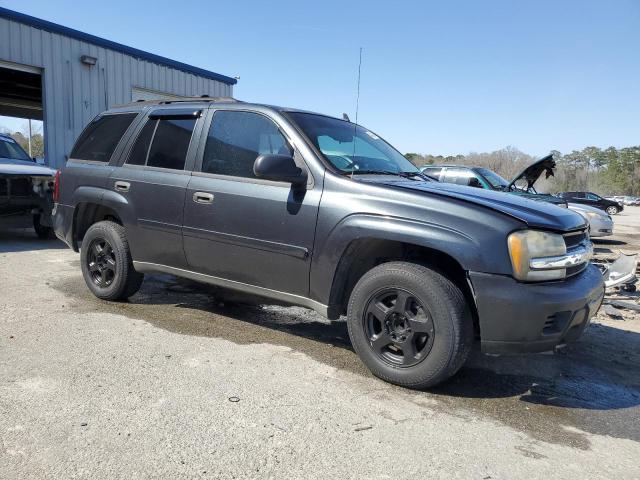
(439, 77)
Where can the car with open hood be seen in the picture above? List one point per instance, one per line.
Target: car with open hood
(306, 209)
(25, 187)
(481, 177)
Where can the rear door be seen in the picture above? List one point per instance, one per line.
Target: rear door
(242, 228)
(153, 180)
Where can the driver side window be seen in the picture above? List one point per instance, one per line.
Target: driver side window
(236, 139)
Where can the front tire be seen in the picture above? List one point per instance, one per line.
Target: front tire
(612, 210)
(106, 262)
(409, 324)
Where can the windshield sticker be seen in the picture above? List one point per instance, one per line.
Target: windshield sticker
(372, 135)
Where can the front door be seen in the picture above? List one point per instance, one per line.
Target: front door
(153, 180)
(241, 228)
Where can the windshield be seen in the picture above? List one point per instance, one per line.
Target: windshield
(9, 148)
(351, 148)
(495, 180)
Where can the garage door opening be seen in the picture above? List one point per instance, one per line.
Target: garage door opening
(21, 106)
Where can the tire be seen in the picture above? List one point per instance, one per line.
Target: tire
(611, 210)
(436, 325)
(106, 262)
(43, 232)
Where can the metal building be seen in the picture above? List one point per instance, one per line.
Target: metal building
(65, 77)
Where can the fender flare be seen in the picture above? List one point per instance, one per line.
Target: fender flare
(457, 244)
(102, 197)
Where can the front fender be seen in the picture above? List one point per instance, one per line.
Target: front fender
(474, 250)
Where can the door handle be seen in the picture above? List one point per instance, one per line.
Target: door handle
(203, 197)
(122, 186)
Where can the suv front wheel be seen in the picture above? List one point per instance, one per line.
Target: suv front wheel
(409, 324)
(612, 210)
(106, 262)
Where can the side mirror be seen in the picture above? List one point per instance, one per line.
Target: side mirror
(279, 168)
(39, 161)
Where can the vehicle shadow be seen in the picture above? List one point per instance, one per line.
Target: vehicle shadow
(25, 239)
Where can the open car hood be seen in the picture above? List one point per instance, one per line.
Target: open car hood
(532, 173)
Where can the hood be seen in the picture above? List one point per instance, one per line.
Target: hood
(532, 173)
(534, 213)
(10, 166)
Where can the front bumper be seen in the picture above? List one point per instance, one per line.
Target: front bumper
(520, 317)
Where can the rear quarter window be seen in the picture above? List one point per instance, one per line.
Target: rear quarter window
(99, 140)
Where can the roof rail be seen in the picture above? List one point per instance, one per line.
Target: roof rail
(200, 99)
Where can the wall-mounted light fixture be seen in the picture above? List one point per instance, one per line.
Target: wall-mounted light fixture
(88, 60)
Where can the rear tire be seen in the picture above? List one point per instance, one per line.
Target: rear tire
(409, 324)
(43, 232)
(106, 262)
(612, 210)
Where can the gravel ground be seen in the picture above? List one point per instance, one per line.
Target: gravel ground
(177, 384)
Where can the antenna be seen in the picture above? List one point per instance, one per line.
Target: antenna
(358, 94)
(355, 125)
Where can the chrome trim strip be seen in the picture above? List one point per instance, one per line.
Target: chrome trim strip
(572, 258)
(146, 267)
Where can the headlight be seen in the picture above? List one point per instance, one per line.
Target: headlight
(595, 215)
(528, 245)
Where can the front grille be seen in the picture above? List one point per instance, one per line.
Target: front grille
(573, 240)
(20, 187)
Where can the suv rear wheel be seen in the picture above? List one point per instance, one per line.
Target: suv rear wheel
(409, 324)
(106, 262)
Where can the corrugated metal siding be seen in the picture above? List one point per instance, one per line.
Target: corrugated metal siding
(75, 93)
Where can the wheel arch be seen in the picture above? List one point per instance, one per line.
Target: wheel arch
(94, 205)
(356, 250)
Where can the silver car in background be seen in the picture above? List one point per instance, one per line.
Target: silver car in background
(600, 222)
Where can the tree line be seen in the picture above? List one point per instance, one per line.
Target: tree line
(610, 171)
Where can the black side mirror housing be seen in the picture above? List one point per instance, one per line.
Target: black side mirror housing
(279, 168)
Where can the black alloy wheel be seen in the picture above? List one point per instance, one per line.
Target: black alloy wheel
(101, 262)
(399, 328)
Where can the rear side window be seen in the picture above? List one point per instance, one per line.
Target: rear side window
(138, 155)
(100, 138)
(163, 143)
(236, 139)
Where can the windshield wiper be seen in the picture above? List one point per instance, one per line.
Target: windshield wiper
(389, 172)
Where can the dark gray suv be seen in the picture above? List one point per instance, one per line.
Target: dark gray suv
(316, 211)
